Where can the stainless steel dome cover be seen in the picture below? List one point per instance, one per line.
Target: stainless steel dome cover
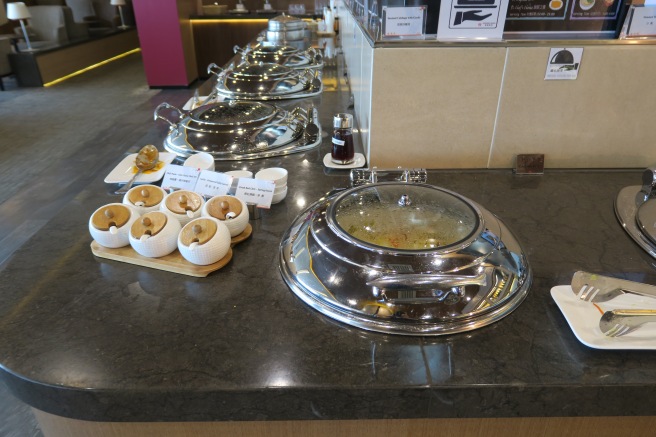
(286, 22)
(443, 283)
(238, 129)
(635, 208)
(262, 81)
(276, 53)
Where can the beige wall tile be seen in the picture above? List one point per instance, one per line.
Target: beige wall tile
(602, 119)
(434, 107)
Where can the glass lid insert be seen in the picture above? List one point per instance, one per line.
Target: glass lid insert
(406, 217)
(234, 112)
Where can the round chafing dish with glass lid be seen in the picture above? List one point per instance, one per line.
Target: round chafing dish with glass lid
(404, 258)
(239, 129)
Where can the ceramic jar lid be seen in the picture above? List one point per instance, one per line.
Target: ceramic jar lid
(148, 224)
(182, 201)
(200, 231)
(220, 207)
(147, 195)
(110, 215)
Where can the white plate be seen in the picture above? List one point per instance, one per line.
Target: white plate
(358, 161)
(583, 317)
(125, 170)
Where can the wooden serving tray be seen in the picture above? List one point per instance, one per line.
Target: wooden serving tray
(173, 262)
(242, 237)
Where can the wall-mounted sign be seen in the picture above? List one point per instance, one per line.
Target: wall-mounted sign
(594, 18)
(471, 19)
(404, 21)
(564, 63)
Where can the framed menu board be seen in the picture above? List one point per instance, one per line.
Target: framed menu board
(564, 18)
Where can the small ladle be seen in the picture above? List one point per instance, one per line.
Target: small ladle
(146, 159)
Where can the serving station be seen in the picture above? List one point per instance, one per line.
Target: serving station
(264, 345)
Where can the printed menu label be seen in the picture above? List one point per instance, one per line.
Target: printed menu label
(643, 21)
(537, 9)
(211, 183)
(180, 177)
(404, 21)
(255, 191)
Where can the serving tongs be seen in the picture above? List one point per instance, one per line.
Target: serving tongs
(595, 288)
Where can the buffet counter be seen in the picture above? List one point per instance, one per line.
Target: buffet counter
(479, 104)
(99, 347)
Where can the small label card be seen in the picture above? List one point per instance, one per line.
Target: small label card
(643, 21)
(564, 63)
(404, 21)
(180, 177)
(211, 183)
(255, 191)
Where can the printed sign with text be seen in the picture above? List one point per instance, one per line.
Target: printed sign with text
(404, 21)
(472, 19)
(255, 191)
(211, 183)
(180, 177)
(564, 63)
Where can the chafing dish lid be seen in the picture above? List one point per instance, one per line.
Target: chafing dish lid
(262, 70)
(286, 22)
(231, 113)
(405, 217)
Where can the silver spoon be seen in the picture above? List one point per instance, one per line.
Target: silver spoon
(146, 159)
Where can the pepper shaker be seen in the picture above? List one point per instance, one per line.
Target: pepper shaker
(343, 150)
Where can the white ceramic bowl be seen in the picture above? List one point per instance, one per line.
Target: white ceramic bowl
(141, 195)
(200, 160)
(280, 189)
(174, 203)
(109, 234)
(208, 252)
(236, 224)
(277, 175)
(163, 242)
(277, 198)
(240, 173)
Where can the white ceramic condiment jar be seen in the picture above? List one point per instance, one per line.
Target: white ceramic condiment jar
(184, 205)
(145, 198)
(204, 241)
(110, 224)
(155, 234)
(230, 210)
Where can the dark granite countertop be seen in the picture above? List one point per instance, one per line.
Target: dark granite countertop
(94, 339)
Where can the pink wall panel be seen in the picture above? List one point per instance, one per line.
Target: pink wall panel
(158, 25)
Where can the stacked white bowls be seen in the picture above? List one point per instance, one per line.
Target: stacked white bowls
(278, 176)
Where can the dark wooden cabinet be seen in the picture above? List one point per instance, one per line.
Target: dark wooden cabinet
(214, 39)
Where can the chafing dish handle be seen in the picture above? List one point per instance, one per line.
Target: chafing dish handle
(422, 288)
(212, 67)
(165, 105)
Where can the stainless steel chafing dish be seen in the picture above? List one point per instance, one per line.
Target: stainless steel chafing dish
(281, 54)
(635, 208)
(265, 81)
(404, 258)
(286, 28)
(236, 130)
